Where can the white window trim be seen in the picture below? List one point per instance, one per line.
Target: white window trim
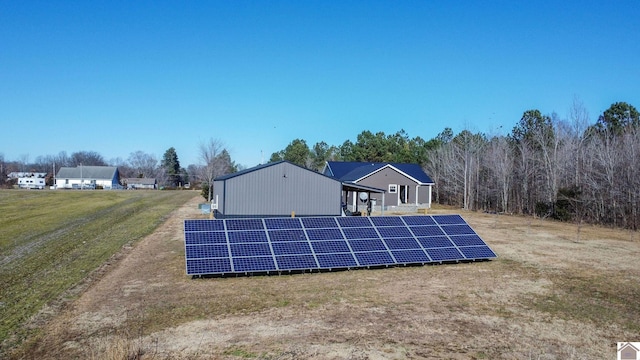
(393, 188)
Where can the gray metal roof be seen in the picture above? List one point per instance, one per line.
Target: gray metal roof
(140, 181)
(259, 167)
(87, 172)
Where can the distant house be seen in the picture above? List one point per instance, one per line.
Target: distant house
(31, 180)
(88, 177)
(405, 184)
(141, 183)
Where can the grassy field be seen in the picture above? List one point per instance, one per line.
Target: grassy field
(553, 293)
(50, 241)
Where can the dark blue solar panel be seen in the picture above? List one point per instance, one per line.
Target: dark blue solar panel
(445, 254)
(394, 231)
(367, 245)
(282, 244)
(402, 243)
(426, 230)
(342, 260)
(410, 256)
(283, 223)
(374, 258)
(298, 262)
(467, 240)
(207, 251)
(319, 222)
(435, 242)
(457, 229)
(203, 225)
(477, 252)
(197, 238)
(360, 233)
(244, 224)
(324, 234)
(251, 249)
(247, 236)
(287, 235)
(208, 266)
(449, 219)
(254, 264)
(354, 221)
(333, 246)
(291, 248)
(386, 221)
(418, 220)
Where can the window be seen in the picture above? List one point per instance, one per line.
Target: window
(393, 188)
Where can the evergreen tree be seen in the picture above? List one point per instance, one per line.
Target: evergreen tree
(171, 166)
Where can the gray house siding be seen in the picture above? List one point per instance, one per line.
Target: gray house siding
(277, 190)
(386, 176)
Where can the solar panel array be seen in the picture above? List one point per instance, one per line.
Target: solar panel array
(244, 246)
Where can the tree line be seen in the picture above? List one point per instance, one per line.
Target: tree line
(564, 168)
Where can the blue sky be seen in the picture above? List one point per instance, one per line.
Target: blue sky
(117, 77)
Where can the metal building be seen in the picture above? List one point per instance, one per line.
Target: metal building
(276, 189)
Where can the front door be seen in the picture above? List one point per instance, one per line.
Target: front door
(404, 194)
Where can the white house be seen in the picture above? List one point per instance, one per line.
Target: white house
(32, 180)
(88, 177)
(141, 183)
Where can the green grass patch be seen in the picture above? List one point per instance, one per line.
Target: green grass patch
(602, 298)
(52, 240)
(240, 352)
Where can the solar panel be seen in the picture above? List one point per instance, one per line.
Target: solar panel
(296, 262)
(360, 233)
(283, 223)
(355, 221)
(331, 246)
(410, 256)
(244, 246)
(449, 219)
(254, 264)
(291, 248)
(402, 243)
(435, 242)
(394, 231)
(287, 235)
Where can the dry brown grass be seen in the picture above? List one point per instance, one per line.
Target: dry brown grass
(548, 296)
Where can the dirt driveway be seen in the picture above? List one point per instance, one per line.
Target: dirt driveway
(519, 306)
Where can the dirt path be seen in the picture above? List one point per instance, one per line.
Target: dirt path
(146, 306)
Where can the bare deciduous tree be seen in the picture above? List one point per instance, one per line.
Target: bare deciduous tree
(144, 165)
(216, 162)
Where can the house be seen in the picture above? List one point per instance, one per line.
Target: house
(141, 183)
(32, 180)
(279, 189)
(405, 184)
(88, 177)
